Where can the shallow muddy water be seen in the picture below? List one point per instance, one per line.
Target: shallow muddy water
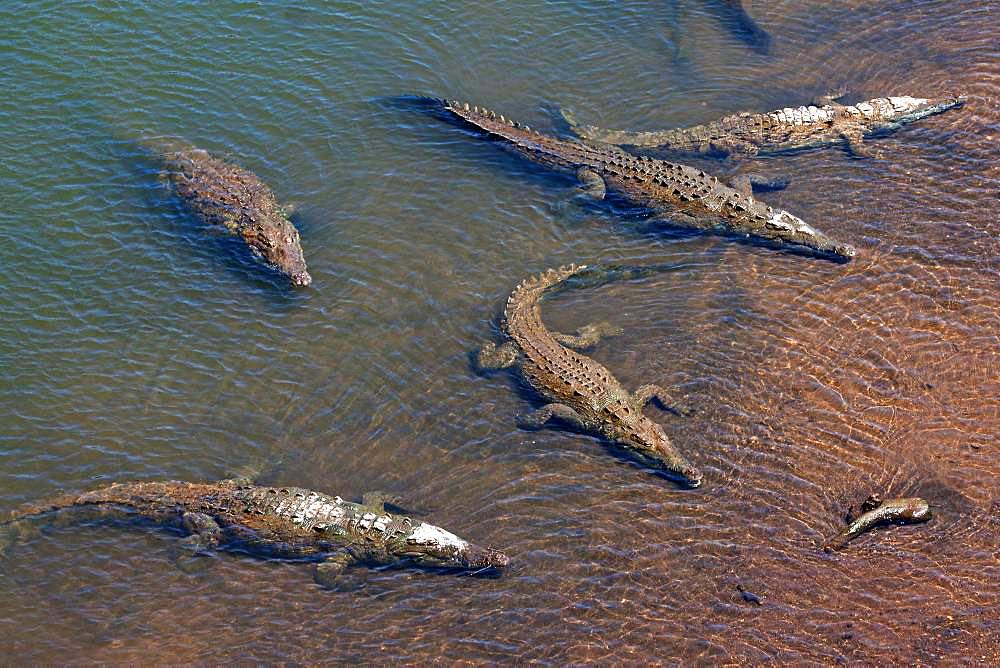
(136, 345)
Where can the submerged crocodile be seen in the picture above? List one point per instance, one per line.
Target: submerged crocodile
(788, 129)
(582, 393)
(909, 510)
(733, 16)
(681, 195)
(221, 193)
(284, 522)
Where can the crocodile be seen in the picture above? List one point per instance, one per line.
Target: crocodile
(824, 123)
(733, 16)
(676, 194)
(281, 522)
(221, 193)
(876, 512)
(582, 393)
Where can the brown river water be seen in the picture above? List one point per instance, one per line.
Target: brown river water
(133, 345)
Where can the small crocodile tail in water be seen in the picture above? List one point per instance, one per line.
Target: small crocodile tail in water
(116, 494)
(911, 510)
(50, 505)
(12, 530)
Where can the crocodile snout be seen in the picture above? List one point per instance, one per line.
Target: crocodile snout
(484, 557)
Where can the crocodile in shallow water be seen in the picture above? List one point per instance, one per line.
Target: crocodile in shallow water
(788, 129)
(224, 194)
(283, 522)
(911, 510)
(582, 393)
(681, 195)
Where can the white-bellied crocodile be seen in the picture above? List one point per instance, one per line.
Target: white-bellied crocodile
(283, 522)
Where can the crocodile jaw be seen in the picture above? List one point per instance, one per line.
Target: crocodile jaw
(654, 447)
(430, 545)
(908, 109)
(892, 112)
(281, 248)
(783, 226)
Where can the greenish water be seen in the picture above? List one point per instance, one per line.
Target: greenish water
(134, 344)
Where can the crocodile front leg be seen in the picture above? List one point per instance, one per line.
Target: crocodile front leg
(16, 532)
(377, 500)
(830, 99)
(853, 142)
(205, 536)
(588, 335)
(747, 182)
(651, 392)
(205, 532)
(537, 419)
(326, 573)
(490, 357)
(731, 148)
(591, 183)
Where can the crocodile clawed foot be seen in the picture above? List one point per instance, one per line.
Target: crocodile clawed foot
(651, 392)
(747, 183)
(248, 473)
(192, 554)
(830, 98)
(568, 115)
(538, 419)
(491, 357)
(601, 329)
(192, 564)
(591, 184)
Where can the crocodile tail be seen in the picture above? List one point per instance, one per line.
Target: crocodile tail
(34, 509)
(482, 118)
(524, 298)
(38, 508)
(838, 542)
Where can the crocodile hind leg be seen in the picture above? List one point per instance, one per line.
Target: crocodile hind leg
(329, 570)
(538, 418)
(16, 532)
(651, 392)
(205, 535)
(491, 357)
(205, 531)
(731, 148)
(853, 141)
(747, 182)
(831, 98)
(591, 183)
(588, 335)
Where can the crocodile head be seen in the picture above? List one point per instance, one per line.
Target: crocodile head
(913, 509)
(895, 111)
(429, 545)
(650, 442)
(782, 227)
(277, 243)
